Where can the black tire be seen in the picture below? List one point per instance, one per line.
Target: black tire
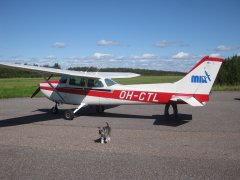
(68, 115)
(100, 109)
(54, 110)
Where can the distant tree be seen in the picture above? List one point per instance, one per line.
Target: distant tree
(56, 66)
(229, 73)
(46, 65)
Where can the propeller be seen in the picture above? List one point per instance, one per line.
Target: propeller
(38, 89)
(35, 92)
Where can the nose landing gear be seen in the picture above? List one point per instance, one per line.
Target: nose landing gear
(69, 114)
(54, 109)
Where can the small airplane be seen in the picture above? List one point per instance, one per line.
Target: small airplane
(99, 90)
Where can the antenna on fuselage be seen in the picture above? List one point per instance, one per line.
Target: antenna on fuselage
(87, 70)
(98, 69)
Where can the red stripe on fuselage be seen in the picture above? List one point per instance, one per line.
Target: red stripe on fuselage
(139, 96)
(50, 81)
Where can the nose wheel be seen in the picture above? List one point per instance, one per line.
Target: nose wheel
(68, 115)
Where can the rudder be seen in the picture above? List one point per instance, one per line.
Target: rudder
(200, 79)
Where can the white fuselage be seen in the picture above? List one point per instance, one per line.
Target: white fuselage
(114, 95)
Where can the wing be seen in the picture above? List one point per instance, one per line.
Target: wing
(96, 75)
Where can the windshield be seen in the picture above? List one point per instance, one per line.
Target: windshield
(110, 82)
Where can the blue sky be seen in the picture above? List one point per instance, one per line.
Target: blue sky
(151, 34)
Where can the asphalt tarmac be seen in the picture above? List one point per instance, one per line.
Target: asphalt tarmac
(203, 144)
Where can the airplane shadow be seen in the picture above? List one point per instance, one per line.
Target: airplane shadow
(171, 120)
(47, 116)
(117, 115)
(29, 119)
(163, 120)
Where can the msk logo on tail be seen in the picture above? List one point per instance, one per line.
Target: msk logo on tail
(99, 90)
(201, 79)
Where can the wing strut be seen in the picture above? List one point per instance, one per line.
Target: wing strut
(54, 89)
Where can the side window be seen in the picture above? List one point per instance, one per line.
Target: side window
(94, 83)
(110, 82)
(82, 82)
(63, 79)
(77, 81)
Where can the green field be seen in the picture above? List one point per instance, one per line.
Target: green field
(24, 87)
(18, 87)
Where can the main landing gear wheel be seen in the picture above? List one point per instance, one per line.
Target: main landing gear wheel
(175, 109)
(54, 109)
(68, 115)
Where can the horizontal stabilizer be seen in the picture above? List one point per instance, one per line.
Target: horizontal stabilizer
(189, 100)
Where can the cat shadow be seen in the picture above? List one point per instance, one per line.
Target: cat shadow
(97, 140)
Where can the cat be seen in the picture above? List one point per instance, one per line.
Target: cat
(105, 133)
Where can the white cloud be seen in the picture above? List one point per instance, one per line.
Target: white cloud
(59, 45)
(107, 43)
(145, 56)
(181, 55)
(238, 54)
(51, 57)
(214, 55)
(163, 44)
(102, 56)
(223, 48)
(149, 56)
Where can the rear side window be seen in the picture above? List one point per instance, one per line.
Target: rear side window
(77, 81)
(94, 83)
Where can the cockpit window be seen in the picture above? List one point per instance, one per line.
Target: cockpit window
(63, 79)
(110, 82)
(95, 83)
(77, 81)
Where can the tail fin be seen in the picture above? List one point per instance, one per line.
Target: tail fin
(201, 77)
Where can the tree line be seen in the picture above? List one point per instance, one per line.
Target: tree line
(229, 73)
(143, 72)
